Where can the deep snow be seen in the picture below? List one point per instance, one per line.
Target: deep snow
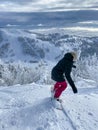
(28, 107)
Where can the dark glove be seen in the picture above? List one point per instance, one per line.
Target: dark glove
(75, 90)
(74, 66)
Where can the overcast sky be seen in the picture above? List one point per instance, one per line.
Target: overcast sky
(46, 5)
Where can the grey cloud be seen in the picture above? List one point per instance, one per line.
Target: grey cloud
(73, 2)
(44, 5)
(18, 1)
(78, 2)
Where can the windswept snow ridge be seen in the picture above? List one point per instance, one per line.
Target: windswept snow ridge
(29, 107)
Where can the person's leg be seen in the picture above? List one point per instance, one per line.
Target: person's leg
(59, 87)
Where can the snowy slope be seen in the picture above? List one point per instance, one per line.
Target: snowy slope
(22, 45)
(29, 107)
(48, 45)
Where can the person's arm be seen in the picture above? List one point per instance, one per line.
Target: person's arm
(70, 81)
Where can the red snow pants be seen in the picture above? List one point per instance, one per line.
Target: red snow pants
(59, 87)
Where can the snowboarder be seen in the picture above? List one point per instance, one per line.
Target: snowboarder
(61, 72)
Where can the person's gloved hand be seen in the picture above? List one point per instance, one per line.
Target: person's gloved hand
(75, 90)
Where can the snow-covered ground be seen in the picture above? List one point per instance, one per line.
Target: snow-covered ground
(28, 107)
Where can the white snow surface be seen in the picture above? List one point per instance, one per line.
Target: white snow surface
(29, 107)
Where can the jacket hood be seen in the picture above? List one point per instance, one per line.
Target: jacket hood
(68, 56)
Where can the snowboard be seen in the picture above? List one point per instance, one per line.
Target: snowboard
(57, 104)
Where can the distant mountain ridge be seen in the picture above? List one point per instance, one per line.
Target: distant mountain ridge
(19, 48)
(30, 46)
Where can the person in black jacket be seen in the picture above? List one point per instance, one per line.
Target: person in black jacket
(61, 72)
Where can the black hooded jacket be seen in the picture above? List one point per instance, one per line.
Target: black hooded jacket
(63, 69)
